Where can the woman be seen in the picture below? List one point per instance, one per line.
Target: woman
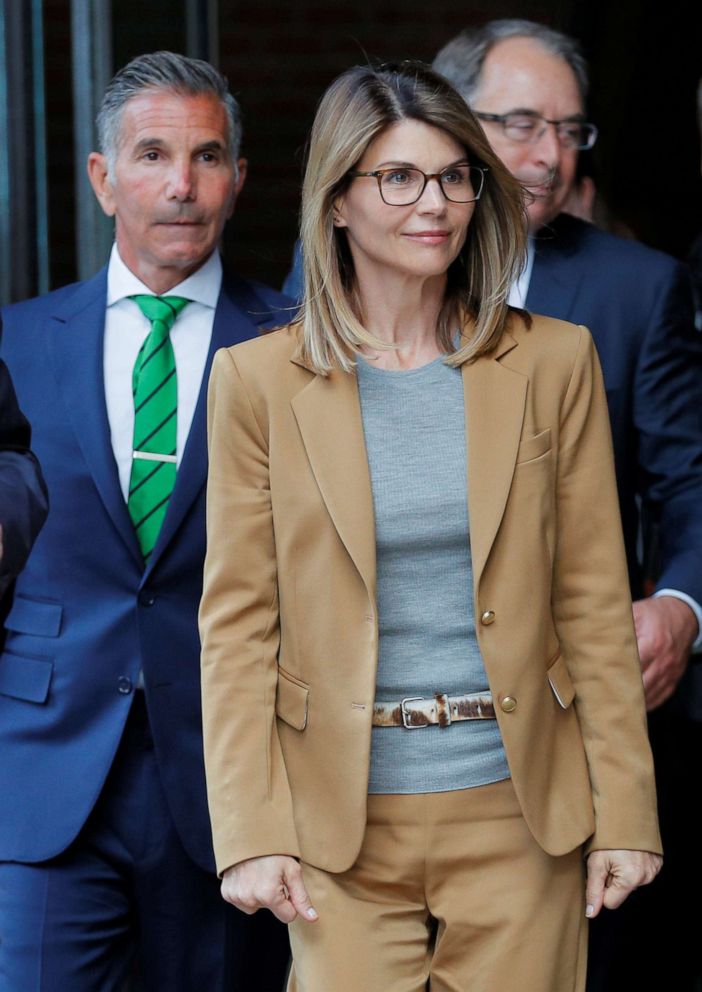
(421, 697)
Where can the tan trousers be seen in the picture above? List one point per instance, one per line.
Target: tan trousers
(450, 893)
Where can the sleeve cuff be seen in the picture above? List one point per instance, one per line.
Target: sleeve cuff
(694, 606)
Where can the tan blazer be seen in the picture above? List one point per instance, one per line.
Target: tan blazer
(288, 617)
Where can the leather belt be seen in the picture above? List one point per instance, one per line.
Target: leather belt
(415, 712)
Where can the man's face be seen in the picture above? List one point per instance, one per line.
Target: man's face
(519, 74)
(174, 184)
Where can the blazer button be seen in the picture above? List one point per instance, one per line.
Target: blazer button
(146, 598)
(508, 704)
(124, 685)
(487, 618)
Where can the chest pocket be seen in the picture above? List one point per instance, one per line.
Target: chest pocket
(534, 447)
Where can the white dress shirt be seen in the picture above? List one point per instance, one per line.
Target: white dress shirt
(520, 288)
(517, 298)
(126, 328)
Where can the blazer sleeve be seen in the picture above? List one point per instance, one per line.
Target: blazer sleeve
(593, 617)
(248, 791)
(23, 497)
(667, 412)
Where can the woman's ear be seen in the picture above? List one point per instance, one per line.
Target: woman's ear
(338, 218)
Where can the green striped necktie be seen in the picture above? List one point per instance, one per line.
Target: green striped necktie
(155, 389)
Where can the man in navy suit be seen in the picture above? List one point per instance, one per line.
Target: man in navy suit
(527, 84)
(105, 843)
(23, 503)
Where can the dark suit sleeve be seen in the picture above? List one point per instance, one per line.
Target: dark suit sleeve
(293, 286)
(668, 416)
(23, 497)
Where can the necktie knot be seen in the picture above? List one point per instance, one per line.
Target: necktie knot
(161, 308)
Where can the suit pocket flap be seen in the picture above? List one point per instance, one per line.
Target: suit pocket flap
(532, 447)
(25, 678)
(560, 682)
(31, 616)
(291, 700)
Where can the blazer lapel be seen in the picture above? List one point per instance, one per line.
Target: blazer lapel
(495, 397)
(76, 346)
(238, 314)
(328, 413)
(555, 281)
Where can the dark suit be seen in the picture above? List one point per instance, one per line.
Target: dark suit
(23, 503)
(88, 617)
(638, 306)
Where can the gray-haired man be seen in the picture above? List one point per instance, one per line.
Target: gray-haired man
(104, 834)
(528, 84)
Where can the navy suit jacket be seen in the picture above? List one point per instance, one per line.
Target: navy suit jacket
(23, 502)
(87, 616)
(638, 305)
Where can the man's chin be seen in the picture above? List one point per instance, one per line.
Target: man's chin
(542, 213)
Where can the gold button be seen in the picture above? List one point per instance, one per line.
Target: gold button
(509, 704)
(487, 618)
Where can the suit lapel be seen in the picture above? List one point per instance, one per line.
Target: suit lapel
(328, 413)
(238, 314)
(76, 346)
(555, 281)
(495, 397)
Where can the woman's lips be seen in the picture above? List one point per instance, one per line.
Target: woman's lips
(436, 237)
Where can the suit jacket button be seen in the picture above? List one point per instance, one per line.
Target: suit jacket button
(487, 618)
(146, 598)
(124, 685)
(508, 704)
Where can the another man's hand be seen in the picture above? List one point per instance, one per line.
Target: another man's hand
(666, 628)
(612, 875)
(272, 882)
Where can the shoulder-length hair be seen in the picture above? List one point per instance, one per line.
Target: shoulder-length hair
(358, 106)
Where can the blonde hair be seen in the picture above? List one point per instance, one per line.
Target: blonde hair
(357, 107)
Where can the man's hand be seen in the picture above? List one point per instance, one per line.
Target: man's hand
(666, 628)
(273, 882)
(612, 875)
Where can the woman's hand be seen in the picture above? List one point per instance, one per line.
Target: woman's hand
(612, 875)
(273, 882)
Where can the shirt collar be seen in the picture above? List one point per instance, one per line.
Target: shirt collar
(520, 288)
(202, 286)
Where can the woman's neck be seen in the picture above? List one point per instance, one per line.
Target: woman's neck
(404, 314)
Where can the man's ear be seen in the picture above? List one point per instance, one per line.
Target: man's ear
(99, 180)
(241, 169)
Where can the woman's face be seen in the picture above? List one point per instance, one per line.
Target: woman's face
(421, 239)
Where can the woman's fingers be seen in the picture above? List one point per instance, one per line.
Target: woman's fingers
(298, 894)
(597, 872)
(273, 882)
(613, 875)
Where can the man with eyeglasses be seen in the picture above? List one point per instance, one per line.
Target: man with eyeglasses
(527, 84)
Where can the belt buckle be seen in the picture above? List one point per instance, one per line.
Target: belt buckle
(405, 716)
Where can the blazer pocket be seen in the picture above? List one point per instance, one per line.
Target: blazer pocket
(291, 700)
(533, 447)
(561, 685)
(32, 616)
(25, 678)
